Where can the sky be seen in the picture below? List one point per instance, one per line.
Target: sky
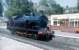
(64, 3)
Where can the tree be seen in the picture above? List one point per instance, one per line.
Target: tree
(1, 8)
(19, 7)
(78, 5)
(50, 7)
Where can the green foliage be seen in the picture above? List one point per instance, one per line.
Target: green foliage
(44, 2)
(1, 8)
(13, 12)
(51, 7)
(19, 7)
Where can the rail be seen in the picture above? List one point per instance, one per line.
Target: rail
(26, 40)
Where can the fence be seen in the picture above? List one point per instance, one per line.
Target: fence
(63, 28)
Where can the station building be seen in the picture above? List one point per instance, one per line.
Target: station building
(64, 22)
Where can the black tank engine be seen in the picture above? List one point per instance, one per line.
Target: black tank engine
(34, 27)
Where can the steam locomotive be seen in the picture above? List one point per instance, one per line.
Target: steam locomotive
(34, 27)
